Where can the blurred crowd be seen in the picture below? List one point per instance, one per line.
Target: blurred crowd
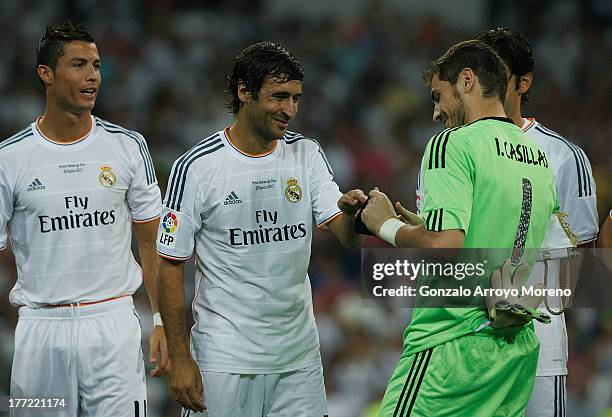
(164, 68)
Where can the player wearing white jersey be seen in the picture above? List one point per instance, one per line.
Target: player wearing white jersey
(247, 198)
(71, 185)
(576, 190)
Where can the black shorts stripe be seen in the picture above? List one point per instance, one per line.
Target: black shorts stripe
(182, 178)
(178, 171)
(408, 379)
(145, 408)
(416, 391)
(439, 228)
(16, 138)
(136, 409)
(142, 146)
(580, 169)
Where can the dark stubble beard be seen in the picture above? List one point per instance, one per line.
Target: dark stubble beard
(457, 115)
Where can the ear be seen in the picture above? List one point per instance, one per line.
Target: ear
(524, 83)
(243, 93)
(467, 80)
(46, 74)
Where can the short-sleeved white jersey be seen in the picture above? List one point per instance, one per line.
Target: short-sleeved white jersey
(250, 218)
(69, 209)
(576, 190)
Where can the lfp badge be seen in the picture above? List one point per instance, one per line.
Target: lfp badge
(170, 222)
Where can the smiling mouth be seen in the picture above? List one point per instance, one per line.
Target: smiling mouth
(89, 91)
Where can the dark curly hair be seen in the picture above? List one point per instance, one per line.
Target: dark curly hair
(514, 50)
(480, 58)
(256, 63)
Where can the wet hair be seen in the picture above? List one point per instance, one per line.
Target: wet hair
(480, 58)
(255, 64)
(51, 45)
(514, 50)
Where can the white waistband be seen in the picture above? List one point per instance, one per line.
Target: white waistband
(83, 310)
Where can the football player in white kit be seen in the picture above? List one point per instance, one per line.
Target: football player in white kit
(71, 187)
(576, 190)
(247, 198)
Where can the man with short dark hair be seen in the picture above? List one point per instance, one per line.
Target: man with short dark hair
(246, 198)
(475, 191)
(576, 189)
(72, 186)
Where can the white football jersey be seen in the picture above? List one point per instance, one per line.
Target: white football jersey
(250, 218)
(576, 190)
(69, 207)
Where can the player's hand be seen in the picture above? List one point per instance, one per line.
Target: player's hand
(407, 216)
(351, 202)
(513, 310)
(377, 211)
(186, 383)
(159, 351)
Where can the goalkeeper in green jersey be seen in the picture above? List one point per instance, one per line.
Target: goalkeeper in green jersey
(483, 184)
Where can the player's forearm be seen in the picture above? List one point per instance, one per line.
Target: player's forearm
(410, 236)
(150, 269)
(172, 306)
(149, 260)
(346, 232)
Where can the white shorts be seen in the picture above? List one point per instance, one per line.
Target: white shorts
(548, 397)
(90, 356)
(299, 393)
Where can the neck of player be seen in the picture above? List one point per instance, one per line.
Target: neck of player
(485, 108)
(245, 138)
(64, 126)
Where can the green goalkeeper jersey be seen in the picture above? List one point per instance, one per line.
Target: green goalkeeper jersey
(490, 180)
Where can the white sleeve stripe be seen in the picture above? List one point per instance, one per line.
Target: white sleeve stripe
(329, 218)
(150, 219)
(142, 146)
(584, 184)
(179, 176)
(174, 258)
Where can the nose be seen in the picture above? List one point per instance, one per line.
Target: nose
(93, 74)
(289, 108)
(436, 113)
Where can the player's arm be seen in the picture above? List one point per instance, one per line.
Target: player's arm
(327, 200)
(6, 207)
(409, 231)
(185, 380)
(343, 225)
(146, 233)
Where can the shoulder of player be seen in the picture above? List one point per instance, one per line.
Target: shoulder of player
(297, 140)
(17, 141)
(115, 131)
(202, 152)
(553, 142)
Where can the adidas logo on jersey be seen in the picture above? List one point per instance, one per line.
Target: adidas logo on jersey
(36, 185)
(232, 198)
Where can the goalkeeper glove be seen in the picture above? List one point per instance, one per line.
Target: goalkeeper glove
(513, 310)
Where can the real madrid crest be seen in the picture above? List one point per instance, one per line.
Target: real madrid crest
(107, 178)
(293, 192)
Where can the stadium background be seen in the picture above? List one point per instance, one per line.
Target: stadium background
(164, 69)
